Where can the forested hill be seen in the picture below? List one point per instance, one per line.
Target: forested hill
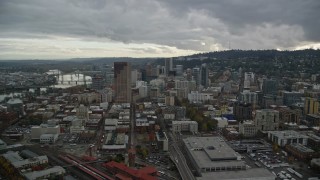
(262, 54)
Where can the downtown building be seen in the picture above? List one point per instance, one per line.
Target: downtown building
(267, 120)
(122, 82)
(212, 158)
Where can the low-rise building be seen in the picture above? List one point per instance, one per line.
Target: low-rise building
(162, 141)
(313, 119)
(189, 126)
(37, 131)
(121, 171)
(18, 162)
(55, 171)
(283, 138)
(313, 140)
(48, 138)
(115, 142)
(301, 152)
(247, 128)
(110, 124)
(198, 97)
(315, 164)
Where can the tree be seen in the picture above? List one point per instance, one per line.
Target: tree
(119, 158)
(204, 127)
(144, 152)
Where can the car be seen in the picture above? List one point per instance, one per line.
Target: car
(288, 176)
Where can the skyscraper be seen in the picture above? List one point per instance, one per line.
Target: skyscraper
(196, 75)
(168, 65)
(204, 75)
(122, 82)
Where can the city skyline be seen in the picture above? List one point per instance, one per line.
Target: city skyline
(99, 28)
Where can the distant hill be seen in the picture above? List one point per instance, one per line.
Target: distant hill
(239, 54)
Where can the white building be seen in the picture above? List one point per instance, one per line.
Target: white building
(267, 120)
(180, 126)
(283, 138)
(46, 173)
(222, 122)
(247, 128)
(18, 162)
(169, 116)
(48, 138)
(110, 124)
(197, 97)
(37, 131)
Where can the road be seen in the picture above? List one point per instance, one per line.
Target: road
(132, 124)
(179, 160)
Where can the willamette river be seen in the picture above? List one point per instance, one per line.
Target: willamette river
(69, 80)
(64, 81)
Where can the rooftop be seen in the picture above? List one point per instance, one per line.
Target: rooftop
(184, 122)
(40, 174)
(287, 134)
(254, 173)
(302, 148)
(14, 101)
(211, 152)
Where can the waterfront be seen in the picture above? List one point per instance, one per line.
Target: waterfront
(62, 81)
(69, 80)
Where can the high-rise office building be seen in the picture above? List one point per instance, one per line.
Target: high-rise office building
(204, 75)
(122, 82)
(168, 65)
(196, 75)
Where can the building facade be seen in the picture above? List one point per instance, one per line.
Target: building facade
(122, 82)
(188, 126)
(311, 106)
(247, 128)
(242, 111)
(282, 138)
(267, 120)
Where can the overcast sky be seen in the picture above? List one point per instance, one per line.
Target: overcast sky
(55, 29)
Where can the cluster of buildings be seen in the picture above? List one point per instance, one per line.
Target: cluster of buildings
(25, 164)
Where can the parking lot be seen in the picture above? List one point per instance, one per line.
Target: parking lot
(78, 138)
(277, 163)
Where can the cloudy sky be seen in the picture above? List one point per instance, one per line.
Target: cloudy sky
(57, 29)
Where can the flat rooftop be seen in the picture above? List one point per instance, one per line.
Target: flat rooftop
(302, 148)
(214, 147)
(184, 122)
(211, 152)
(287, 134)
(249, 174)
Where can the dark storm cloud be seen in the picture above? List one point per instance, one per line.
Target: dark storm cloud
(186, 24)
